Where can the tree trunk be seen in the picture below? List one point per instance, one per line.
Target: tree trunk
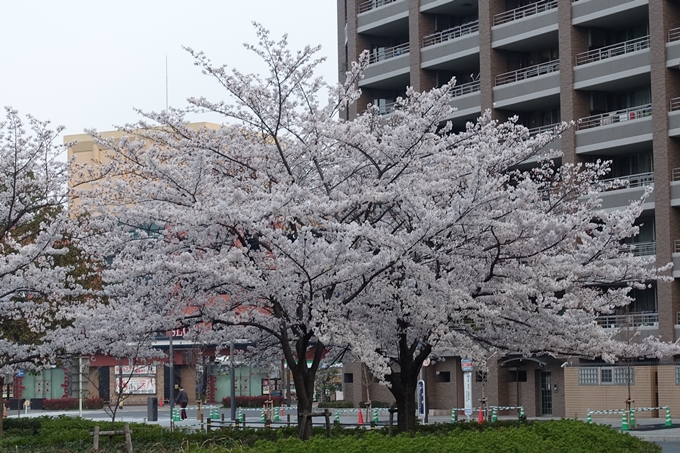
(304, 378)
(2, 405)
(405, 382)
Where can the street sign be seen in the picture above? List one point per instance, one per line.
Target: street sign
(466, 364)
(421, 398)
(467, 392)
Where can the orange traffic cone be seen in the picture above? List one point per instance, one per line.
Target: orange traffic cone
(282, 411)
(4, 411)
(361, 417)
(160, 402)
(480, 419)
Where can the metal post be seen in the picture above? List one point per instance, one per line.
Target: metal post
(233, 380)
(80, 386)
(172, 379)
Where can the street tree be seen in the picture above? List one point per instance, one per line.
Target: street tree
(395, 236)
(36, 280)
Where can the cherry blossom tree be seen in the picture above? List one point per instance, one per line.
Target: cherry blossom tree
(36, 264)
(392, 236)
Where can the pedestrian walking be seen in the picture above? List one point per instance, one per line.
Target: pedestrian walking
(182, 399)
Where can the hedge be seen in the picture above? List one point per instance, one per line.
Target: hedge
(252, 401)
(64, 404)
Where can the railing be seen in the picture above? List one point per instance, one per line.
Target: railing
(630, 320)
(527, 73)
(546, 128)
(676, 246)
(372, 4)
(524, 11)
(637, 180)
(674, 35)
(451, 33)
(612, 51)
(639, 248)
(387, 108)
(676, 174)
(618, 116)
(677, 318)
(675, 104)
(387, 53)
(467, 88)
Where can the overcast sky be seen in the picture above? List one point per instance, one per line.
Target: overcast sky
(88, 63)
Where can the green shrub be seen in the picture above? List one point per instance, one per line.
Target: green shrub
(336, 404)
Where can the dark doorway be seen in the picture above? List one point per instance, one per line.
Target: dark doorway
(104, 383)
(546, 393)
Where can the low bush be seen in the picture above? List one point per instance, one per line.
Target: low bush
(62, 434)
(252, 401)
(336, 404)
(60, 404)
(93, 403)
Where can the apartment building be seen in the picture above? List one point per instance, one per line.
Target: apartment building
(611, 65)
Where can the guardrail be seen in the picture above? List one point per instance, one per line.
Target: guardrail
(524, 11)
(451, 33)
(466, 88)
(639, 248)
(617, 116)
(372, 4)
(527, 73)
(675, 104)
(388, 52)
(630, 320)
(614, 50)
(674, 35)
(636, 180)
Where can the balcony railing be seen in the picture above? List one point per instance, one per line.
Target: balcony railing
(527, 73)
(372, 4)
(676, 174)
(630, 320)
(676, 246)
(674, 35)
(451, 33)
(524, 11)
(386, 109)
(387, 53)
(618, 116)
(546, 128)
(639, 248)
(637, 180)
(467, 88)
(675, 104)
(612, 51)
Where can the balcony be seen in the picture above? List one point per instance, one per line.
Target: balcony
(524, 11)
(526, 27)
(675, 192)
(640, 248)
(618, 66)
(676, 262)
(673, 48)
(608, 13)
(621, 130)
(674, 118)
(528, 88)
(466, 98)
(634, 187)
(630, 320)
(383, 17)
(453, 48)
(387, 68)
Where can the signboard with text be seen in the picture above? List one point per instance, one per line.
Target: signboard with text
(421, 398)
(467, 392)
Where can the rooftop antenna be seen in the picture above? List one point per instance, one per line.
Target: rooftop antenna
(166, 82)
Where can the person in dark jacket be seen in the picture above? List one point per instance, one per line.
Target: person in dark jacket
(182, 399)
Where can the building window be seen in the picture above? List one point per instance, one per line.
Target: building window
(348, 378)
(481, 376)
(621, 375)
(517, 376)
(677, 375)
(587, 376)
(443, 376)
(609, 376)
